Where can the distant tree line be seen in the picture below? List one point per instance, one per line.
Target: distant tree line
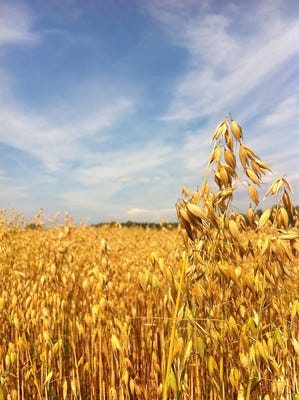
(144, 225)
(148, 225)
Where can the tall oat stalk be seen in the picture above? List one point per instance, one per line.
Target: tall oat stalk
(174, 325)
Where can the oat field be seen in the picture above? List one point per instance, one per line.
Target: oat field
(208, 310)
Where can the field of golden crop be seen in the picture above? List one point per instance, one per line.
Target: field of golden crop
(86, 313)
(206, 311)
(83, 311)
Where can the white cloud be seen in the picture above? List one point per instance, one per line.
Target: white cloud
(3, 176)
(54, 144)
(123, 167)
(204, 90)
(145, 215)
(225, 65)
(104, 118)
(93, 201)
(9, 190)
(16, 25)
(285, 114)
(120, 179)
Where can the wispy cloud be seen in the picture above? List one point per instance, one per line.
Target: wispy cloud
(16, 25)
(103, 118)
(284, 114)
(54, 144)
(204, 92)
(224, 66)
(3, 177)
(145, 215)
(126, 166)
(9, 190)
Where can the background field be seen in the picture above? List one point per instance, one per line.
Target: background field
(86, 313)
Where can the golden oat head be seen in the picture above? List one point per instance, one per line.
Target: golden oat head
(253, 194)
(257, 169)
(275, 187)
(265, 217)
(196, 211)
(283, 215)
(220, 130)
(224, 175)
(217, 153)
(195, 197)
(233, 228)
(262, 165)
(252, 176)
(185, 191)
(236, 129)
(287, 202)
(243, 156)
(230, 158)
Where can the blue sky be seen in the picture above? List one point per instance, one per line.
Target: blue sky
(107, 107)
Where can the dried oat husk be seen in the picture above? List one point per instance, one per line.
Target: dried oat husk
(236, 129)
(253, 194)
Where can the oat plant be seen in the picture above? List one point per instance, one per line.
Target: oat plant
(238, 265)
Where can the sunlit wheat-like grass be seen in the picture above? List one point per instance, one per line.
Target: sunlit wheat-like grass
(206, 311)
